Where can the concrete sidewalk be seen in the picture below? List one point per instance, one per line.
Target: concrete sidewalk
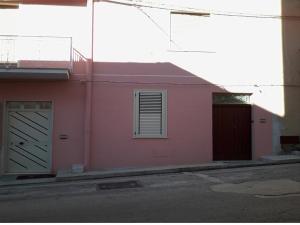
(6, 181)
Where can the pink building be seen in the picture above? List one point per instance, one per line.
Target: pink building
(113, 84)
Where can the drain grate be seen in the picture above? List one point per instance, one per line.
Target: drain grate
(119, 185)
(35, 176)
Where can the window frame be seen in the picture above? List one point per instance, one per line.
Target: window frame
(136, 114)
(234, 98)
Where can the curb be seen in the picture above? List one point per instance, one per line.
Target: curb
(69, 177)
(153, 171)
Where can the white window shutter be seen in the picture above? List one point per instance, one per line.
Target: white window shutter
(150, 114)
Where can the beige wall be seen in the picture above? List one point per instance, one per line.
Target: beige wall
(291, 44)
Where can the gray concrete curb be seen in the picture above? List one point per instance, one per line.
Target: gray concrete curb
(69, 177)
(167, 170)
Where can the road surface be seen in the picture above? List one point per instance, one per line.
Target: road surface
(254, 194)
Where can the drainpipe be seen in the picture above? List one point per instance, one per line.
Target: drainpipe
(88, 95)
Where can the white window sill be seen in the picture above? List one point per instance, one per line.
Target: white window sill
(149, 137)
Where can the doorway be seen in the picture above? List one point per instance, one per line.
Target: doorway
(232, 131)
(28, 137)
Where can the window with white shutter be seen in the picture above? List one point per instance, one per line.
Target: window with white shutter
(150, 111)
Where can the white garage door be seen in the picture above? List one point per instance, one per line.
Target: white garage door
(28, 137)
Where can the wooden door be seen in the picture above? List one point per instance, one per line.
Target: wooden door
(232, 132)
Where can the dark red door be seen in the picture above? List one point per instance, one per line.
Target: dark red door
(232, 132)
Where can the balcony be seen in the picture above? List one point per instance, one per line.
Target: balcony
(35, 56)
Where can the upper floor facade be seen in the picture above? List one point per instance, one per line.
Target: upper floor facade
(39, 35)
(233, 44)
(190, 49)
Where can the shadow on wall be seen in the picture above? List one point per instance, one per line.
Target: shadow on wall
(291, 61)
(142, 69)
(190, 113)
(149, 73)
(77, 64)
(189, 116)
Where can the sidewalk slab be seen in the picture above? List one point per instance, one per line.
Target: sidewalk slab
(65, 176)
(281, 158)
(68, 176)
(295, 153)
(14, 182)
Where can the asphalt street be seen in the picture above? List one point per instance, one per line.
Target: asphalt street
(254, 194)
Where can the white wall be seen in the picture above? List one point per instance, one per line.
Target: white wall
(235, 48)
(233, 51)
(226, 50)
(43, 20)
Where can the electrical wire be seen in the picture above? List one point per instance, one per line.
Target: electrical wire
(141, 4)
(159, 27)
(189, 84)
(212, 12)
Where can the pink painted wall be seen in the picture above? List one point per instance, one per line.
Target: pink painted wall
(189, 128)
(189, 116)
(68, 109)
(44, 64)
(261, 132)
(189, 95)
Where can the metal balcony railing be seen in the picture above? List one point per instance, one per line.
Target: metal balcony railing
(36, 51)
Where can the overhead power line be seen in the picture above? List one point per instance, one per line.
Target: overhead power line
(189, 84)
(196, 11)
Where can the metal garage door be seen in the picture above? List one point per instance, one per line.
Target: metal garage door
(28, 137)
